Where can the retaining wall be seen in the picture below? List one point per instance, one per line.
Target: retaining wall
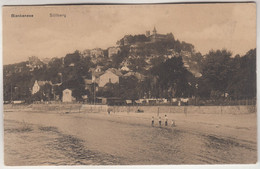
(147, 109)
(188, 109)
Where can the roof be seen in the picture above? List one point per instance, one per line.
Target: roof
(130, 74)
(92, 69)
(97, 74)
(42, 83)
(136, 74)
(125, 68)
(115, 71)
(87, 81)
(114, 47)
(57, 84)
(99, 66)
(97, 49)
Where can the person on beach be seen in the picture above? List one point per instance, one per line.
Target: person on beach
(160, 121)
(166, 120)
(185, 110)
(173, 123)
(152, 121)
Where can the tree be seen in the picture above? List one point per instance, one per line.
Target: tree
(16, 81)
(116, 60)
(119, 57)
(55, 67)
(173, 78)
(72, 58)
(216, 72)
(75, 69)
(128, 88)
(44, 94)
(157, 60)
(109, 90)
(242, 84)
(137, 64)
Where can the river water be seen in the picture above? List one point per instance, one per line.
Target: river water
(32, 138)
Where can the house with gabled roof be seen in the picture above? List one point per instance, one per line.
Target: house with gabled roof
(111, 75)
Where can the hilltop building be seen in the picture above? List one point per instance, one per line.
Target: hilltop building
(157, 37)
(154, 37)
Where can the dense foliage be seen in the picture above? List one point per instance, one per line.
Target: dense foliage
(224, 75)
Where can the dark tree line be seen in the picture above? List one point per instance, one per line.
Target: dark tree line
(223, 75)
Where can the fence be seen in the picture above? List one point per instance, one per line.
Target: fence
(200, 102)
(221, 102)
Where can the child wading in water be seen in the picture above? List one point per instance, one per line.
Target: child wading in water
(152, 121)
(173, 123)
(166, 120)
(160, 121)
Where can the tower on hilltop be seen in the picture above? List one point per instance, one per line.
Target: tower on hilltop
(154, 31)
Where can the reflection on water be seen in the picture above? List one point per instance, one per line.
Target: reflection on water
(32, 145)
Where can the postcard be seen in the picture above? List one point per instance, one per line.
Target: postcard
(147, 84)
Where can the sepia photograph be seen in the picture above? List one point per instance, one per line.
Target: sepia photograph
(129, 84)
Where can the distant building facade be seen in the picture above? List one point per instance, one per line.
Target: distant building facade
(97, 52)
(157, 37)
(86, 53)
(34, 63)
(110, 76)
(113, 51)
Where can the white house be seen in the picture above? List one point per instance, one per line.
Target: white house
(67, 95)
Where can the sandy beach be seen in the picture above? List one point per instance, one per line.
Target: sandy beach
(40, 137)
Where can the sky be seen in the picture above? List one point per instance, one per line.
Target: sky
(207, 26)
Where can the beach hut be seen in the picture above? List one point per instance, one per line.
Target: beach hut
(67, 95)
